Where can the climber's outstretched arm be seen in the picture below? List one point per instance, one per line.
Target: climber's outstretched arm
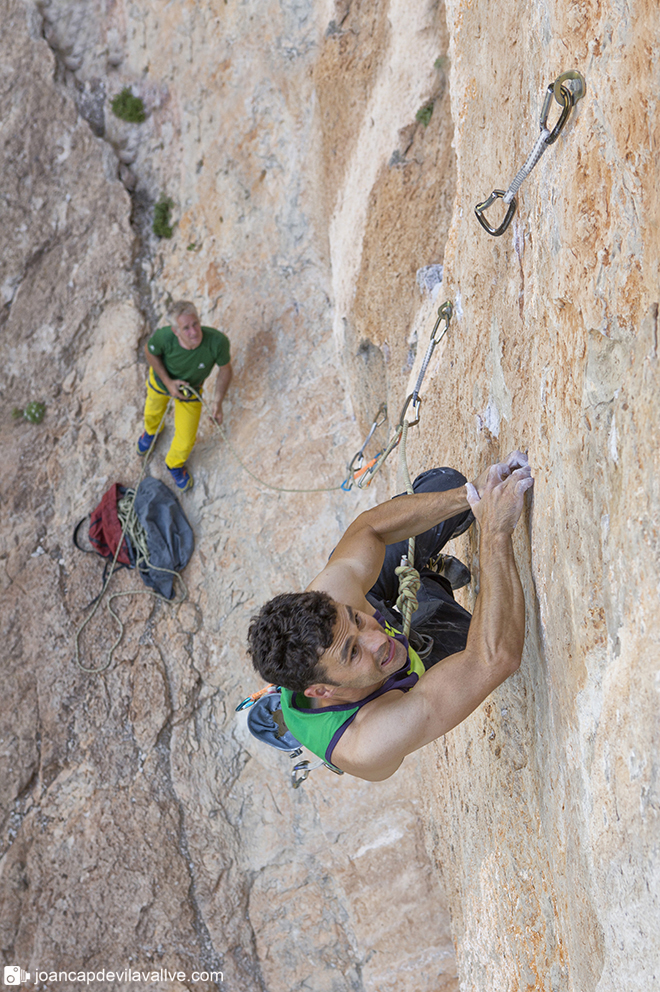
(394, 725)
(358, 558)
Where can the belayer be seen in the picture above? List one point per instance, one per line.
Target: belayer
(182, 354)
(354, 691)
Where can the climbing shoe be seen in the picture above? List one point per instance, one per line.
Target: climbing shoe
(144, 442)
(182, 477)
(456, 573)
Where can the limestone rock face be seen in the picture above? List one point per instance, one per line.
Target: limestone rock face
(324, 161)
(142, 826)
(553, 782)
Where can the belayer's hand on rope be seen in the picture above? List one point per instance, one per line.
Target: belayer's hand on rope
(179, 389)
(567, 89)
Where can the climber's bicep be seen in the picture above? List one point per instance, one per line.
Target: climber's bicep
(353, 567)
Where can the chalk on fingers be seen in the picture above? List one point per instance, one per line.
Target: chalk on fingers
(472, 494)
(524, 484)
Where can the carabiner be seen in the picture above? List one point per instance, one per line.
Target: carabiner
(300, 774)
(355, 465)
(250, 700)
(417, 403)
(564, 115)
(445, 312)
(497, 194)
(380, 419)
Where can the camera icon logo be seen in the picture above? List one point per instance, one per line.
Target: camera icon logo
(15, 975)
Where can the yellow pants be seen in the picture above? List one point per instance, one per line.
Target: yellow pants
(186, 421)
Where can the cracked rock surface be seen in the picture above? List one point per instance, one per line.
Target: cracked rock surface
(142, 826)
(322, 211)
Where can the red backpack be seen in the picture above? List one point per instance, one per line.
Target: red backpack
(105, 532)
(105, 528)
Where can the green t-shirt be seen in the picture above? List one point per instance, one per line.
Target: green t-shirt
(192, 366)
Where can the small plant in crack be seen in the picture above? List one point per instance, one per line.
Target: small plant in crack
(127, 107)
(33, 412)
(424, 114)
(161, 226)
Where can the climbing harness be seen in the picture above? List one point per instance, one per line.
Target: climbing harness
(567, 89)
(356, 467)
(132, 528)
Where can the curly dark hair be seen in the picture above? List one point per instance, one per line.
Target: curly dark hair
(288, 636)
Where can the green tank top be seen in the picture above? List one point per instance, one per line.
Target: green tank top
(320, 729)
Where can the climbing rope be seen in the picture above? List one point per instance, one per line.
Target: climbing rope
(409, 580)
(408, 576)
(132, 528)
(567, 89)
(262, 482)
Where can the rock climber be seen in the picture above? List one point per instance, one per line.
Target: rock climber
(355, 692)
(180, 355)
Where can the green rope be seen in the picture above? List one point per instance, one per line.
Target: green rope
(132, 528)
(409, 580)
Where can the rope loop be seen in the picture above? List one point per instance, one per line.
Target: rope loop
(567, 89)
(409, 583)
(223, 434)
(132, 527)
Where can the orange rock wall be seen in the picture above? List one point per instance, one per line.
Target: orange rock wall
(314, 217)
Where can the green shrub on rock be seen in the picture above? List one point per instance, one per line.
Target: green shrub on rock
(161, 225)
(424, 114)
(127, 107)
(33, 412)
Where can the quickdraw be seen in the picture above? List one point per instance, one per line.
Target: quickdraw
(567, 89)
(250, 700)
(413, 401)
(356, 467)
(300, 772)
